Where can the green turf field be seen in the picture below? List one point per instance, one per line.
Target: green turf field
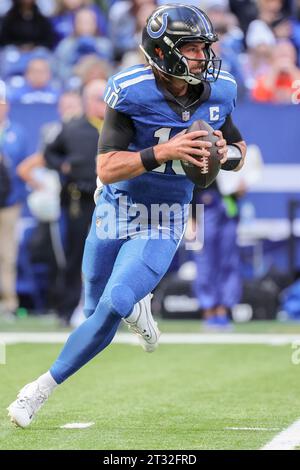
(49, 323)
(180, 397)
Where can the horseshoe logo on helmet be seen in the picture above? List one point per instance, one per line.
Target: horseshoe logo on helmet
(162, 29)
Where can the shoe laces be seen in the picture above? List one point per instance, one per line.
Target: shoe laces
(133, 326)
(138, 331)
(34, 401)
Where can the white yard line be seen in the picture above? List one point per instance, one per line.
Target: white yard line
(166, 338)
(76, 425)
(288, 439)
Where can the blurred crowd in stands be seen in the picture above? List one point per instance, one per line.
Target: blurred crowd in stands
(58, 52)
(48, 46)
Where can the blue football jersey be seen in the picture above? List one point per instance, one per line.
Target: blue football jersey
(134, 92)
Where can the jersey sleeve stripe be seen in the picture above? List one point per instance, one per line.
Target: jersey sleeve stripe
(132, 72)
(136, 80)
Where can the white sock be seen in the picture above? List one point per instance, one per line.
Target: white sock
(136, 311)
(134, 314)
(47, 381)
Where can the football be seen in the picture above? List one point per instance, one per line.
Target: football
(204, 176)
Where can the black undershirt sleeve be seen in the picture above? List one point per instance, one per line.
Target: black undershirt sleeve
(230, 131)
(117, 132)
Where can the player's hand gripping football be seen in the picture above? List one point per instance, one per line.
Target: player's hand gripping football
(184, 146)
(222, 144)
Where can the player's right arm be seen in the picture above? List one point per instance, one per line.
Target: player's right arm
(116, 163)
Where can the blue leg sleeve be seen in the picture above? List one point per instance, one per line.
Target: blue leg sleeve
(139, 266)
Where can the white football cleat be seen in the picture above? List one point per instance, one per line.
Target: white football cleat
(29, 400)
(141, 322)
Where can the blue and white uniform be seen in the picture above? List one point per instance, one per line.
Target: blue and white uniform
(135, 93)
(121, 270)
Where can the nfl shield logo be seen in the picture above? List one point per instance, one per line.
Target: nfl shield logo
(185, 116)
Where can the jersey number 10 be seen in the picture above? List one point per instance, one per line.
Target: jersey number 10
(172, 167)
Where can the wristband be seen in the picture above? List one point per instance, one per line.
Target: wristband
(148, 159)
(234, 157)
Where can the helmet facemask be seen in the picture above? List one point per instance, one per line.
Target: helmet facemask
(209, 68)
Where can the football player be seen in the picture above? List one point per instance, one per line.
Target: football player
(143, 140)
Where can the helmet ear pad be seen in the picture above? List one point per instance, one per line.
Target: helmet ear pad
(168, 59)
(181, 67)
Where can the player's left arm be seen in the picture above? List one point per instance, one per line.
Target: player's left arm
(232, 146)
